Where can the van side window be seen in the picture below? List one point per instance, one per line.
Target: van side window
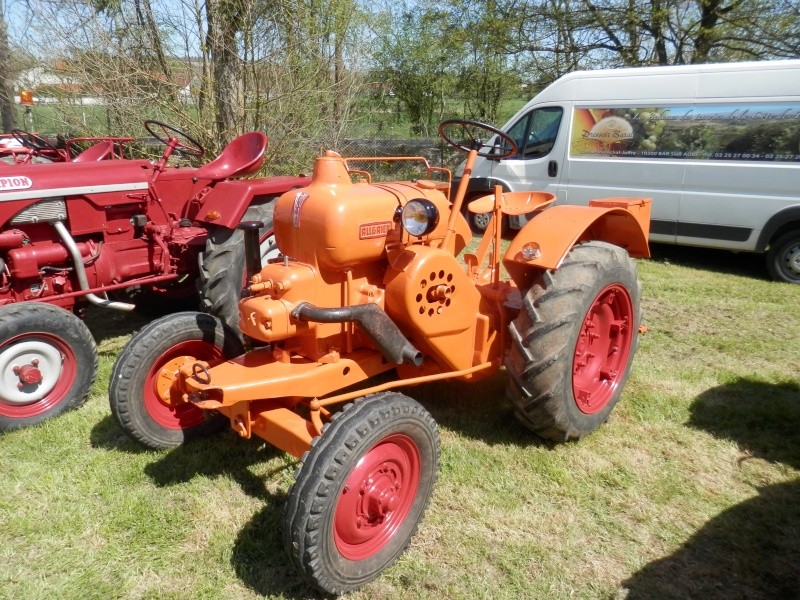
(535, 133)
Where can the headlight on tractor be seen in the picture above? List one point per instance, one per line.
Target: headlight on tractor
(420, 217)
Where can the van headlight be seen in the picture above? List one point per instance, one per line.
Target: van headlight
(420, 217)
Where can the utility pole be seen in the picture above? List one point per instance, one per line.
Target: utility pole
(8, 111)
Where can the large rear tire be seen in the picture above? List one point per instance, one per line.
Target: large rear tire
(48, 362)
(573, 342)
(153, 356)
(361, 492)
(222, 265)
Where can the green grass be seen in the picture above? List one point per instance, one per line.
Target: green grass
(690, 490)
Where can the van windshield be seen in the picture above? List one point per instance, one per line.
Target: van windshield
(535, 133)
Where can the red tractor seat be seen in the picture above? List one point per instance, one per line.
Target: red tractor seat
(242, 156)
(95, 153)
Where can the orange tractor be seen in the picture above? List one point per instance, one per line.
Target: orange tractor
(369, 284)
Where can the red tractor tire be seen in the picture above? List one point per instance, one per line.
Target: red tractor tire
(573, 342)
(361, 491)
(48, 362)
(163, 344)
(222, 265)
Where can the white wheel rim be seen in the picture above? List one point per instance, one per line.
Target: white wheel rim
(49, 363)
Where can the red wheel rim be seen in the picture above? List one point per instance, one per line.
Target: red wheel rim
(601, 354)
(377, 497)
(59, 375)
(184, 415)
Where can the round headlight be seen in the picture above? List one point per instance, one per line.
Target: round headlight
(420, 217)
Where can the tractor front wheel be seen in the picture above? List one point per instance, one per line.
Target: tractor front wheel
(139, 392)
(573, 342)
(48, 362)
(222, 265)
(361, 491)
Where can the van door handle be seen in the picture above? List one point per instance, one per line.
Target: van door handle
(552, 168)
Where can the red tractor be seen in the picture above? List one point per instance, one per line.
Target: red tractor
(22, 147)
(90, 229)
(368, 296)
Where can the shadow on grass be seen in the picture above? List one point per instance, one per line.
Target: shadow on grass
(478, 410)
(258, 556)
(261, 561)
(745, 264)
(751, 550)
(106, 323)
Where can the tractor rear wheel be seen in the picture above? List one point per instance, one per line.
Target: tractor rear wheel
(152, 357)
(573, 342)
(222, 264)
(48, 362)
(361, 491)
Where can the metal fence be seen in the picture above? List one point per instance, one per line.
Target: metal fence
(434, 151)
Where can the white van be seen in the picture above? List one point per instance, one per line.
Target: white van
(717, 148)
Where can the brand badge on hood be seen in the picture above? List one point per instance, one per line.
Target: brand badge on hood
(19, 182)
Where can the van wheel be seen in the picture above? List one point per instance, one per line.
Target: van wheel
(480, 221)
(783, 258)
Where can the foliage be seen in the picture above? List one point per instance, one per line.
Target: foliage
(312, 73)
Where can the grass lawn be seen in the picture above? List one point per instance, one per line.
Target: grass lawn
(691, 490)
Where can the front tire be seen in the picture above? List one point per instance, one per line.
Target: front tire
(222, 265)
(136, 388)
(48, 362)
(361, 492)
(783, 258)
(573, 342)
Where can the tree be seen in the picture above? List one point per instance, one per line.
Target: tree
(646, 32)
(415, 60)
(7, 108)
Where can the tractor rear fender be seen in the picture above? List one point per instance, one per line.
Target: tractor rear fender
(224, 205)
(548, 237)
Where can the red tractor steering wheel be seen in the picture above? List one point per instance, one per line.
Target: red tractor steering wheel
(33, 142)
(174, 137)
(467, 132)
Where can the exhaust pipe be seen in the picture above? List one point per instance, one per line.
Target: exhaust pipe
(375, 323)
(80, 271)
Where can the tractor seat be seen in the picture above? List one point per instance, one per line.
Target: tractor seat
(242, 156)
(95, 153)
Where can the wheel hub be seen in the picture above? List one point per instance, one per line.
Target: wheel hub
(793, 259)
(29, 374)
(602, 350)
(29, 370)
(377, 497)
(481, 220)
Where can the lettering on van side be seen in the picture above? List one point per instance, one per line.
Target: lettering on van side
(744, 131)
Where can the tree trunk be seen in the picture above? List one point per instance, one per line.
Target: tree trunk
(224, 18)
(7, 108)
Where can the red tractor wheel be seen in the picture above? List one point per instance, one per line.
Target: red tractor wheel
(140, 384)
(573, 342)
(361, 491)
(48, 362)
